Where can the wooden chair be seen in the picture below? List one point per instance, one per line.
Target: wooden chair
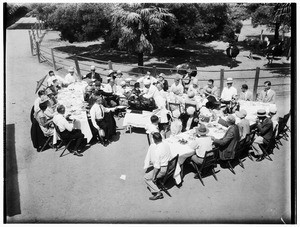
(209, 162)
(170, 172)
(63, 142)
(187, 105)
(46, 143)
(268, 149)
(173, 106)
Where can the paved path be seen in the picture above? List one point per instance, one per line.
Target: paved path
(89, 189)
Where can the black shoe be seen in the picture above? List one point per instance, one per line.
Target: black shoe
(159, 195)
(259, 159)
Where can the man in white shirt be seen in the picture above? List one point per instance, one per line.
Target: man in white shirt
(147, 77)
(149, 90)
(201, 145)
(67, 130)
(53, 77)
(71, 77)
(177, 87)
(160, 155)
(228, 92)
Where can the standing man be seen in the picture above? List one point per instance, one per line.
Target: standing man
(229, 93)
(229, 141)
(265, 131)
(210, 86)
(267, 95)
(246, 95)
(93, 75)
(67, 130)
(160, 155)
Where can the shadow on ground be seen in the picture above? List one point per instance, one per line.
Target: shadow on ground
(12, 193)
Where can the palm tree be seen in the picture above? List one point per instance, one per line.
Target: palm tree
(139, 26)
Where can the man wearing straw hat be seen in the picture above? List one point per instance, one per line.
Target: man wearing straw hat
(93, 75)
(265, 131)
(229, 93)
(201, 145)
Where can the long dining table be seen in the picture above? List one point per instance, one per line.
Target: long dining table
(72, 97)
(185, 150)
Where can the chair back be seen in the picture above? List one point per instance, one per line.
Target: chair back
(187, 105)
(272, 142)
(171, 167)
(210, 159)
(57, 130)
(173, 106)
(286, 118)
(249, 139)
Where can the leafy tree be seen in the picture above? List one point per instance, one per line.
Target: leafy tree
(139, 27)
(80, 22)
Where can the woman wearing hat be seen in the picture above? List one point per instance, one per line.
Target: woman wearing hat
(189, 119)
(161, 79)
(265, 131)
(42, 119)
(243, 124)
(201, 145)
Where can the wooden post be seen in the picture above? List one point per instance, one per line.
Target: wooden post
(77, 67)
(38, 51)
(154, 71)
(256, 83)
(110, 65)
(31, 43)
(53, 60)
(40, 26)
(37, 30)
(221, 80)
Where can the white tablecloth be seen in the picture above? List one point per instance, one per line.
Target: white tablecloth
(72, 98)
(184, 150)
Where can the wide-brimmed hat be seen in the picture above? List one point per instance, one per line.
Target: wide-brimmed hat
(195, 81)
(119, 72)
(93, 67)
(161, 75)
(229, 80)
(261, 113)
(71, 69)
(128, 79)
(190, 110)
(110, 71)
(191, 94)
(202, 130)
(122, 83)
(44, 98)
(241, 113)
(231, 118)
(273, 109)
(146, 82)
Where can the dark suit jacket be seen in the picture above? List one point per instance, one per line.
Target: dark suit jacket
(184, 118)
(265, 129)
(228, 143)
(97, 76)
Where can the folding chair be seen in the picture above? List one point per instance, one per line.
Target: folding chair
(248, 142)
(63, 142)
(268, 149)
(45, 144)
(170, 172)
(280, 132)
(209, 162)
(187, 105)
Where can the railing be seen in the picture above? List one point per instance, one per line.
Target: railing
(256, 76)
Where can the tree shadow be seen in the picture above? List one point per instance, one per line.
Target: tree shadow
(283, 69)
(12, 192)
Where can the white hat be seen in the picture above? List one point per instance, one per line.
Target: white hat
(93, 67)
(122, 83)
(191, 94)
(71, 69)
(148, 73)
(128, 79)
(110, 71)
(273, 109)
(176, 113)
(146, 82)
(190, 110)
(229, 80)
(119, 72)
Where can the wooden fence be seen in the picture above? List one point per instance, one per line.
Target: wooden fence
(62, 61)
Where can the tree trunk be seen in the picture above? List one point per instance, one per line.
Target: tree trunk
(276, 35)
(141, 61)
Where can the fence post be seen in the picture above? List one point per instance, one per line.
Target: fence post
(110, 65)
(37, 31)
(256, 83)
(31, 44)
(38, 51)
(77, 67)
(53, 59)
(221, 80)
(154, 71)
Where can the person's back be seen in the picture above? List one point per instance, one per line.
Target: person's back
(163, 152)
(244, 128)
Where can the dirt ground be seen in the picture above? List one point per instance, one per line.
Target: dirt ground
(89, 188)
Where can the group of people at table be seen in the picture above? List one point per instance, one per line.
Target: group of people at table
(205, 106)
